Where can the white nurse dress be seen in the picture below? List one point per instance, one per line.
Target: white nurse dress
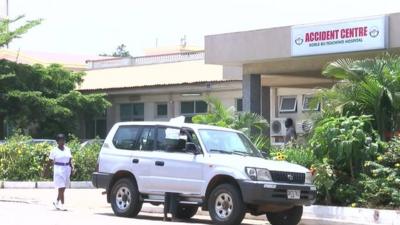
(62, 169)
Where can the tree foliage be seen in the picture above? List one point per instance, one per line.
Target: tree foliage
(43, 99)
(119, 52)
(6, 35)
(369, 87)
(252, 124)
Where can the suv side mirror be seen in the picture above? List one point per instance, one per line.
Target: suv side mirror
(191, 147)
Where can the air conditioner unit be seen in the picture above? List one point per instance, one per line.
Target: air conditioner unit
(277, 127)
(304, 126)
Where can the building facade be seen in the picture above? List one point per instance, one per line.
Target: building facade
(157, 87)
(281, 66)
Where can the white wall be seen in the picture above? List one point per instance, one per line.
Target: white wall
(150, 100)
(299, 93)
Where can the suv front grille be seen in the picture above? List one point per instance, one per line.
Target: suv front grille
(288, 177)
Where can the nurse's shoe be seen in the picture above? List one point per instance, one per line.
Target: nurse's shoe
(56, 205)
(61, 207)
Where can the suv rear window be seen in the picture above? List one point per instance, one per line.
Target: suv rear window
(126, 137)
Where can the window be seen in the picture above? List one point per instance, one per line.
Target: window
(168, 139)
(146, 140)
(96, 126)
(308, 104)
(132, 112)
(162, 109)
(227, 142)
(239, 104)
(288, 104)
(191, 108)
(126, 137)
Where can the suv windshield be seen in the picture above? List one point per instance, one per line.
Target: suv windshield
(227, 142)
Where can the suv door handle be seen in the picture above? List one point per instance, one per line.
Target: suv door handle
(159, 163)
(135, 160)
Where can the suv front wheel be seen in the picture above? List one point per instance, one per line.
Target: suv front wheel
(290, 216)
(226, 206)
(125, 198)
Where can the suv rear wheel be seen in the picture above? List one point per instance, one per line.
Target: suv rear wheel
(186, 211)
(125, 198)
(290, 216)
(226, 206)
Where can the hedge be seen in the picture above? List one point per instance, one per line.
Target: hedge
(21, 160)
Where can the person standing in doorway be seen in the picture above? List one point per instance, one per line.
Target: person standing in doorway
(291, 134)
(61, 158)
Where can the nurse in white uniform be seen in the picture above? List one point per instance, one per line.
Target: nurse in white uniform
(62, 161)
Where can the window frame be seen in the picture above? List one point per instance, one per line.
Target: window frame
(317, 108)
(187, 115)
(135, 143)
(132, 117)
(154, 136)
(156, 109)
(288, 110)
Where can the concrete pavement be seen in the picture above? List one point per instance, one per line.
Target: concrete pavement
(85, 206)
(32, 206)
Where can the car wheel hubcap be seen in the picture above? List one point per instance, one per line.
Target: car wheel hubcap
(224, 205)
(123, 198)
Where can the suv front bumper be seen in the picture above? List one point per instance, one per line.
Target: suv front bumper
(258, 193)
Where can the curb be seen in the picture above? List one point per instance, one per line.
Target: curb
(352, 215)
(17, 184)
(81, 184)
(43, 184)
(320, 215)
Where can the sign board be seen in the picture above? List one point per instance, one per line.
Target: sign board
(350, 36)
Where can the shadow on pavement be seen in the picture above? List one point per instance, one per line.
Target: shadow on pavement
(160, 218)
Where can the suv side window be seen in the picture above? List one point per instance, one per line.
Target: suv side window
(168, 140)
(146, 140)
(126, 137)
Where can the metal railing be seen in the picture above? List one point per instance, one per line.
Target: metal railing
(145, 60)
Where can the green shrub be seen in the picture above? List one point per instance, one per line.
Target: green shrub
(299, 155)
(324, 179)
(20, 161)
(381, 182)
(347, 142)
(85, 160)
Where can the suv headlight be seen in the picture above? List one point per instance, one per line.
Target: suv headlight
(309, 178)
(258, 174)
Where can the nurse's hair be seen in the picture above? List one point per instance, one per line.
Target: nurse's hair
(60, 137)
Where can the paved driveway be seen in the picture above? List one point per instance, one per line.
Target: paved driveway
(85, 206)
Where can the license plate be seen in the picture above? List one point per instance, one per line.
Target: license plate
(293, 194)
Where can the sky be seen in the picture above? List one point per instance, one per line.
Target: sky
(99, 26)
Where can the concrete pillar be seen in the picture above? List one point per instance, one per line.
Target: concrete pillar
(256, 98)
(266, 105)
(251, 88)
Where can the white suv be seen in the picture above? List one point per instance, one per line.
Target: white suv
(211, 167)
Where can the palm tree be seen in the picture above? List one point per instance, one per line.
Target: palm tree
(367, 86)
(252, 124)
